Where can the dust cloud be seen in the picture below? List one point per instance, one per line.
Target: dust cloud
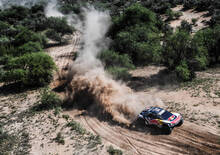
(87, 74)
(51, 10)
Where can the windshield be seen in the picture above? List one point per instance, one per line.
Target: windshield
(166, 115)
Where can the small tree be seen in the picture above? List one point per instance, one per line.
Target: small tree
(135, 33)
(116, 64)
(183, 71)
(58, 28)
(185, 26)
(26, 35)
(29, 48)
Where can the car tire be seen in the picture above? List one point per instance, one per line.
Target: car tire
(180, 123)
(167, 129)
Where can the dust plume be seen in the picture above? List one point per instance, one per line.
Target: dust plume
(51, 10)
(87, 75)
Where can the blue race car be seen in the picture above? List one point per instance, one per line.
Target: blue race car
(161, 118)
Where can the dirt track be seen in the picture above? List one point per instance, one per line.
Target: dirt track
(187, 139)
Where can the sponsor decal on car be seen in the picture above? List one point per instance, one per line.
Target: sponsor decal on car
(171, 118)
(176, 120)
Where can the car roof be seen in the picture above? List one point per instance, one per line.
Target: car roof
(156, 110)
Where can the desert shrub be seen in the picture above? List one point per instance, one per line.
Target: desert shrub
(116, 64)
(170, 14)
(185, 26)
(29, 48)
(184, 55)
(38, 8)
(58, 27)
(7, 142)
(4, 26)
(194, 20)
(133, 15)
(35, 69)
(26, 35)
(53, 35)
(59, 139)
(189, 4)
(119, 72)
(135, 33)
(48, 100)
(176, 49)
(111, 58)
(177, 14)
(40, 67)
(70, 7)
(113, 151)
(15, 75)
(76, 127)
(183, 71)
(7, 51)
(4, 40)
(14, 14)
(209, 39)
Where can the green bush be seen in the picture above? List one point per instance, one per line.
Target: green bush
(7, 142)
(14, 14)
(76, 127)
(111, 58)
(4, 26)
(119, 73)
(186, 26)
(59, 139)
(57, 28)
(53, 35)
(186, 52)
(194, 20)
(48, 100)
(176, 49)
(209, 39)
(35, 69)
(29, 47)
(26, 35)
(183, 72)
(4, 40)
(136, 34)
(113, 151)
(133, 15)
(15, 75)
(60, 25)
(170, 14)
(40, 68)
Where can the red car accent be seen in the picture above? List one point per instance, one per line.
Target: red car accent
(153, 121)
(176, 120)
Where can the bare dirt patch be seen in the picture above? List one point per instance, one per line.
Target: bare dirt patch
(188, 15)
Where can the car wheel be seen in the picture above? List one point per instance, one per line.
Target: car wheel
(180, 123)
(167, 129)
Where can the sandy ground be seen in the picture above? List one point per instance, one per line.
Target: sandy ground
(188, 15)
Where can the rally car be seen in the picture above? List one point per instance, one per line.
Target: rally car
(161, 118)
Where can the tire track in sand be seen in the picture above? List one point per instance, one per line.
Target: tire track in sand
(187, 139)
